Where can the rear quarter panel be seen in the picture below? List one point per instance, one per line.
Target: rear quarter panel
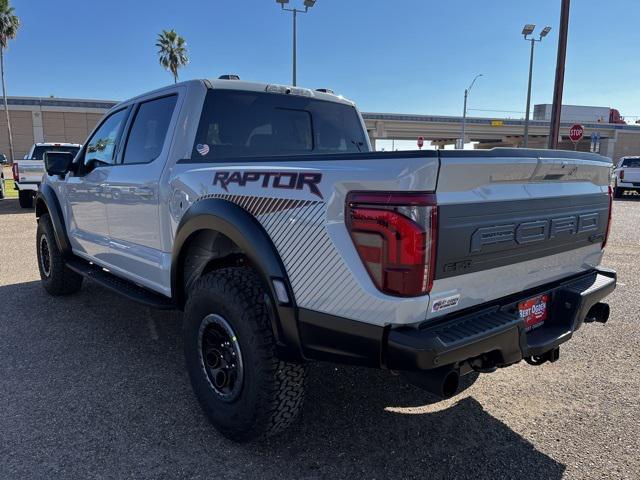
(308, 227)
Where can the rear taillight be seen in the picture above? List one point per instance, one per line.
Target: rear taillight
(14, 171)
(621, 174)
(395, 235)
(606, 234)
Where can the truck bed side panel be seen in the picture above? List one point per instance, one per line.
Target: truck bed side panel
(308, 230)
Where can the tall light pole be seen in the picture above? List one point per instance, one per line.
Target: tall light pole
(527, 31)
(464, 109)
(307, 5)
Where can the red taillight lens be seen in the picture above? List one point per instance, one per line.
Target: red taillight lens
(606, 235)
(621, 174)
(14, 171)
(395, 236)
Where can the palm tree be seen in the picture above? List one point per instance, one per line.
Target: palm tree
(9, 24)
(172, 50)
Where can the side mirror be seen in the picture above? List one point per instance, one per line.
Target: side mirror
(26, 157)
(57, 163)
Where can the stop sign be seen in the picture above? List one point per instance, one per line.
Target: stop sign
(576, 132)
(420, 142)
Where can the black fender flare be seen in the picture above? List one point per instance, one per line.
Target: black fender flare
(250, 236)
(47, 197)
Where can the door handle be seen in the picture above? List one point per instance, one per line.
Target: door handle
(143, 191)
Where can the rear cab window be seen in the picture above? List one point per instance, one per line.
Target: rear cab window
(237, 124)
(39, 150)
(631, 162)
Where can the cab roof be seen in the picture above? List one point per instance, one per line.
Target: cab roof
(262, 87)
(57, 144)
(239, 85)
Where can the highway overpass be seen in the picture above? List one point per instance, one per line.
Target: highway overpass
(616, 139)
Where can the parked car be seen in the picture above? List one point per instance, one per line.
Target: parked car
(262, 213)
(27, 173)
(3, 162)
(626, 175)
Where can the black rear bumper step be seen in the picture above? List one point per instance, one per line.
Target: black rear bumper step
(498, 329)
(456, 340)
(119, 285)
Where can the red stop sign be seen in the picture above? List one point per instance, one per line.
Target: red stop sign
(420, 142)
(576, 132)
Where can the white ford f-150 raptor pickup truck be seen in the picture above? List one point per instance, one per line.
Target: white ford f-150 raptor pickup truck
(260, 211)
(27, 173)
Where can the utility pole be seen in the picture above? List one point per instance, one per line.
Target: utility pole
(554, 128)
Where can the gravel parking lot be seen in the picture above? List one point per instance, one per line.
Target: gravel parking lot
(94, 386)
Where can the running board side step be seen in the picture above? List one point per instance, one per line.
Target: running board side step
(119, 285)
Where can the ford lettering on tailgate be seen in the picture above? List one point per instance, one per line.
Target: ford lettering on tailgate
(534, 231)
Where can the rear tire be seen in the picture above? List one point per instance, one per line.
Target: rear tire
(25, 198)
(56, 278)
(617, 192)
(243, 388)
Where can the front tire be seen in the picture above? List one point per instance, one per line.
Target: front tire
(56, 278)
(243, 388)
(25, 198)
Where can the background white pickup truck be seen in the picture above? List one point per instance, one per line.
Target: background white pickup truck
(27, 173)
(627, 175)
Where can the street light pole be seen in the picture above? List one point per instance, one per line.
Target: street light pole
(307, 5)
(526, 31)
(464, 110)
(526, 118)
(295, 48)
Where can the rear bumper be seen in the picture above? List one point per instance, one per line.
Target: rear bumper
(498, 330)
(492, 331)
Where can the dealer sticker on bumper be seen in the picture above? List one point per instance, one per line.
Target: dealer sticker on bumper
(534, 311)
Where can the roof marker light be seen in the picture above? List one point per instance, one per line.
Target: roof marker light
(286, 90)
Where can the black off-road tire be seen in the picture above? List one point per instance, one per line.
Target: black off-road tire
(272, 391)
(56, 278)
(25, 198)
(617, 192)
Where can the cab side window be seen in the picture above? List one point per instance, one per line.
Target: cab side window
(102, 145)
(149, 130)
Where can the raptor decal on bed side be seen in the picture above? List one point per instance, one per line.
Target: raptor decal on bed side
(285, 180)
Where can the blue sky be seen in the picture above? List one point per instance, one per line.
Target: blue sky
(413, 56)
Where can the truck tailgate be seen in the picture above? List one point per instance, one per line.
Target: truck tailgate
(513, 220)
(631, 175)
(30, 171)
